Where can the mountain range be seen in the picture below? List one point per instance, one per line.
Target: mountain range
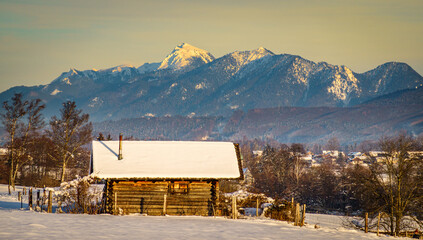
(383, 116)
(191, 82)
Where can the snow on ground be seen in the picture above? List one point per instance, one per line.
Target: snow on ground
(16, 223)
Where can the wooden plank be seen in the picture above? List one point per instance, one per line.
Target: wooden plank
(171, 196)
(165, 192)
(203, 200)
(175, 211)
(159, 203)
(119, 198)
(156, 205)
(155, 188)
(204, 191)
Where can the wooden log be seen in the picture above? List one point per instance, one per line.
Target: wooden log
(205, 190)
(160, 204)
(160, 185)
(170, 198)
(160, 194)
(160, 207)
(200, 191)
(146, 203)
(173, 201)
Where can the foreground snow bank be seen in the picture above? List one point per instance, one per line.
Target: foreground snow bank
(17, 224)
(25, 224)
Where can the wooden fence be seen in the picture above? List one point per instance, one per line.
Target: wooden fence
(43, 202)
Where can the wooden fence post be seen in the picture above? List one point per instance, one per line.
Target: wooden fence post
(19, 196)
(24, 191)
(164, 204)
(115, 212)
(297, 215)
(257, 208)
(59, 205)
(234, 208)
(366, 223)
(50, 206)
(38, 198)
(303, 215)
(30, 199)
(378, 222)
(44, 198)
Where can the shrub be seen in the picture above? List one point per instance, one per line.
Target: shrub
(280, 210)
(80, 196)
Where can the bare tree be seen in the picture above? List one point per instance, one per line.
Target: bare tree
(333, 144)
(100, 137)
(393, 184)
(42, 169)
(298, 165)
(270, 172)
(69, 133)
(19, 131)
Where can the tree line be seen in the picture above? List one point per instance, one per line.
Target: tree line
(392, 185)
(38, 153)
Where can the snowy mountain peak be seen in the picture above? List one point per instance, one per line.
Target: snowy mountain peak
(263, 51)
(245, 57)
(185, 55)
(259, 53)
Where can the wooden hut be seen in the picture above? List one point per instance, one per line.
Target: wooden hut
(164, 177)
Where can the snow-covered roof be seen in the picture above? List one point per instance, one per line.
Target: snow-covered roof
(165, 160)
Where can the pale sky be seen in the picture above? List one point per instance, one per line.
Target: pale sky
(40, 39)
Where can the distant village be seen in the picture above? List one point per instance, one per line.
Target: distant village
(342, 158)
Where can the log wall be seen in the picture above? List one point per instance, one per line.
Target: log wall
(148, 197)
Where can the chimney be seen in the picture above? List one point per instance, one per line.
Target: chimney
(120, 147)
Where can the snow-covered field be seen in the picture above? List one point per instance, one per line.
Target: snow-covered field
(16, 223)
